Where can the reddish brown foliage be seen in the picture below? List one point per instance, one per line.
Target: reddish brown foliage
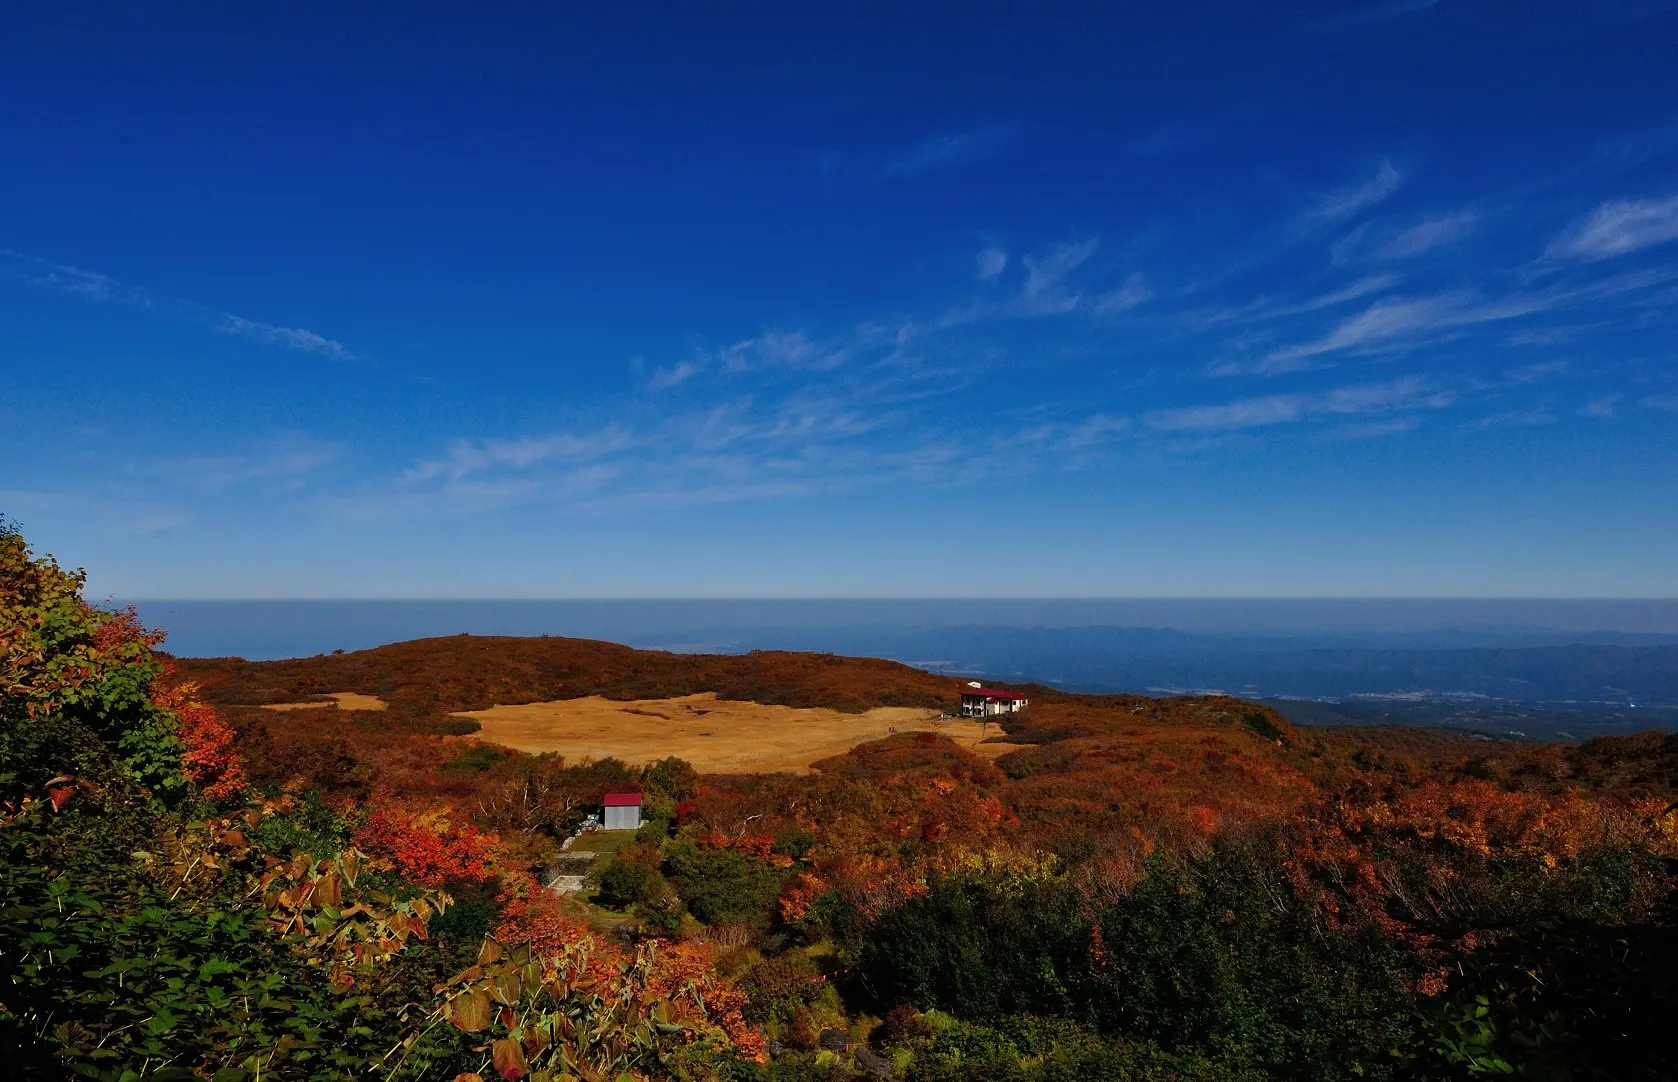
(208, 758)
(1107, 782)
(468, 672)
(425, 851)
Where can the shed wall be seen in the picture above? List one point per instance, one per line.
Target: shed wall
(622, 818)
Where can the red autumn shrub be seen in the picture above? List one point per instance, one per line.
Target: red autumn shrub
(425, 852)
(207, 756)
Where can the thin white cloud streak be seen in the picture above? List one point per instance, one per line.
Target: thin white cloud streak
(1537, 373)
(1428, 234)
(1405, 323)
(283, 462)
(1097, 429)
(1044, 291)
(1265, 309)
(1392, 321)
(1373, 430)
(677, 374)
(945, 152)
(467, 457)
(1602, 407)
(1351, 201)
(1363, 287)
(1267, 410)
(781, 349)
(1526, 418)
(835, 429)
(1135, 292)
(290, 337)
(99, 287)
(95, 515)
(1618, 227)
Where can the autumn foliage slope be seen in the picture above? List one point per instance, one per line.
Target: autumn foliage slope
(1185, 888)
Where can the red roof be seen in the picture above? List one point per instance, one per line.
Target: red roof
(622, 800)
(990, 694)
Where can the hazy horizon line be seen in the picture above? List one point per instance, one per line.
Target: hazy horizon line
(830, 599)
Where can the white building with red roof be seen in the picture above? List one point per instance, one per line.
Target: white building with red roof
(621, 811)
(982, 702)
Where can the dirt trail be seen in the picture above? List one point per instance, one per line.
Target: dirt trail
(718, 736)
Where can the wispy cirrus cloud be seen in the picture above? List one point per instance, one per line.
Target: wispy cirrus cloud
(1431, 232)
(467, 457)
(1537, 373)
(1046, 287)
(1393, 322)
(1517, 418)
(273, 335)
(781, 349)
(1618, 227)
(1192, 133)
(796, 411)
(1404, 323)
(1371, 430)
(1352, 200)
(677, 374)
(282, 462)
(736, 451)
(1602, 406)
(1261, 411)
(1045, 290)
(1368, 285)
(123, 516)
(103, 288)
(946, 152)
(1132, 294)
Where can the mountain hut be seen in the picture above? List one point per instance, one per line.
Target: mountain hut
(622, 811)
(983, 702)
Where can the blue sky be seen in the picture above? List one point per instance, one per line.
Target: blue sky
(1257, 299)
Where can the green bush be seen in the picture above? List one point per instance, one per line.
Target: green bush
(652, 832)
(1586, 991)
(109, 965)
(673, 778)
(1028, 1049)
(980, 947)
(312, 827)
(1211, 960)
(776, 987)
(724, 886)
(622, 884)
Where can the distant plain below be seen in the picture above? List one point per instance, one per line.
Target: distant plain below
(1514, 669)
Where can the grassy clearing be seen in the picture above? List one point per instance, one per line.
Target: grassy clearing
(602, 841)
(343, 700)
(718, 736)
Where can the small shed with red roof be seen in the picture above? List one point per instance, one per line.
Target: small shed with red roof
(978, 701)
(621, 811)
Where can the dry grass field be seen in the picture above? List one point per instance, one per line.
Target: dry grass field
(718, 736)
(343, 700)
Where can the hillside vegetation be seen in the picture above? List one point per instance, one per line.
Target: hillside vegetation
(474, 672)
(1147, 889)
